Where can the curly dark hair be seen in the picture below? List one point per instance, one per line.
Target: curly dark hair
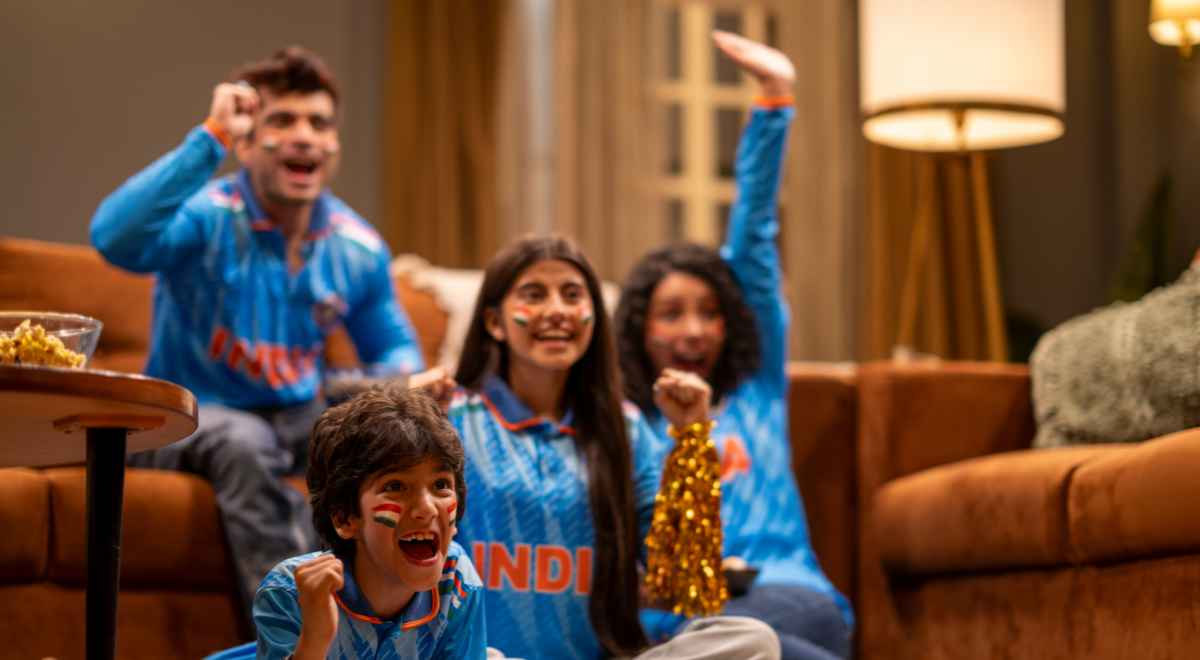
(288, 70)
(741, 354)
(380, 430)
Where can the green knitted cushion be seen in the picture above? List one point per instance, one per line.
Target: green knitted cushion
(1122, 373)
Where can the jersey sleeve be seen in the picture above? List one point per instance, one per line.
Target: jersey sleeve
(750, 247)
(144, 226)
(649, 450)
(277, 620)
(465, 637)
(382, 332)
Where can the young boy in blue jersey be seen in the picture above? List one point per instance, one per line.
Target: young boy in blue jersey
(721, 315)
(387, 489)
(253, 271)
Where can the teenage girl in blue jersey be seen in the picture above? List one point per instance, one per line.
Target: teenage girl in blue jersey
(721, 315)
(560, 471)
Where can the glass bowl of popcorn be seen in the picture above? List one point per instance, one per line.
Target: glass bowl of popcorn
(52, 339)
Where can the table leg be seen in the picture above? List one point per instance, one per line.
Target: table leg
(105, 492)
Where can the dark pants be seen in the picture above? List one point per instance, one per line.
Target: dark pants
(244, 455)
(809, 624)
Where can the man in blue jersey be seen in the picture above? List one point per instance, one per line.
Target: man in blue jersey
(253, 271)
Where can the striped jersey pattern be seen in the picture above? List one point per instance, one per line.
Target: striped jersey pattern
(457, 631)
(230, 321)
(529, 523)
(761, 512)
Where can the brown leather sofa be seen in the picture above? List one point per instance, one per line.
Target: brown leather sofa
(176, 578)
(973, 545)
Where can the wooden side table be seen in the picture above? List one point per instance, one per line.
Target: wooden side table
(48, 414)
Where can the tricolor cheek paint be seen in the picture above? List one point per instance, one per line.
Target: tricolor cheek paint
(521, 316)
(586, 316)
(388, 515)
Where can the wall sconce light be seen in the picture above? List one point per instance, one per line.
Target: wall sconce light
(1176, 23)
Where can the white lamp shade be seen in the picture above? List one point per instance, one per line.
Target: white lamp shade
(1173, 20)
(947, 75)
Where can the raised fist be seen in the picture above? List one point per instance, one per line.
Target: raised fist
(683, 397)
(233, 108)
(316, 583)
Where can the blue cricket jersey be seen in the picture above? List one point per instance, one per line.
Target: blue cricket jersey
(761, 514)
(231, 323)
(529, 526)
(456, 632)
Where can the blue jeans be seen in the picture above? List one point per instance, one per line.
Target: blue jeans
(809, 624)
(244, 455)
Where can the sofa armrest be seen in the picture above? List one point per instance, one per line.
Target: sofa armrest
(822, 399)
(911, 417)
(914, 416)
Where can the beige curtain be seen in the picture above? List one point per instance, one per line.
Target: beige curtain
(931, 276)
(821, 194)
(439, 133)
(601, 112)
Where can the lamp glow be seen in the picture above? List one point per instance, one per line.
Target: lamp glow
(1175, 23)
(946, 75)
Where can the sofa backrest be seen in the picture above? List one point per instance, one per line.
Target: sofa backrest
(41, 276)
(44, 276)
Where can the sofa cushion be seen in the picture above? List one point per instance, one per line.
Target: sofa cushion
(1122, 373)
(48, 620)
(1138, 503)
(37, 275)
(25, 519)
(994, 512)
(171, 536)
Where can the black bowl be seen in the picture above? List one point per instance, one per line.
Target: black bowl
(738, 580)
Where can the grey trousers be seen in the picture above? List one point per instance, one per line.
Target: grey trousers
(244, 455)
(711, 638)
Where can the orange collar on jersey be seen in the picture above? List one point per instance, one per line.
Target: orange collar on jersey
(408, 625)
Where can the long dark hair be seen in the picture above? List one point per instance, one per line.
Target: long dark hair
(593, 394)
(740, 356)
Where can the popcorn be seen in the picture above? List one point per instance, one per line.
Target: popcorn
(30, 344)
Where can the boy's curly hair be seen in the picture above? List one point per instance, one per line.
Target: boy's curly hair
(741, 354)
(380, 430)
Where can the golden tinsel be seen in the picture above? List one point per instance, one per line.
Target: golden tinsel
(684, 544)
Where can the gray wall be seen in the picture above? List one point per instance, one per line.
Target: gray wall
(95, 91)
(1066, 210)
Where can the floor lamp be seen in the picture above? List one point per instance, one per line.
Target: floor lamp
(965, 77)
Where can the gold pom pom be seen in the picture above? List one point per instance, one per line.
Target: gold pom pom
(684, 543)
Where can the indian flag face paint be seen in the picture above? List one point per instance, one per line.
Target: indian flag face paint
(387, 514)
(586, 316)
(452, 508)
(521, 316)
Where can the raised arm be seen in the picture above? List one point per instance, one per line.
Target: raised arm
(143, 226)
(750, 246)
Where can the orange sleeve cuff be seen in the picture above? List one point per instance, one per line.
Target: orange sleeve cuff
(218, 132)
(773, 102)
